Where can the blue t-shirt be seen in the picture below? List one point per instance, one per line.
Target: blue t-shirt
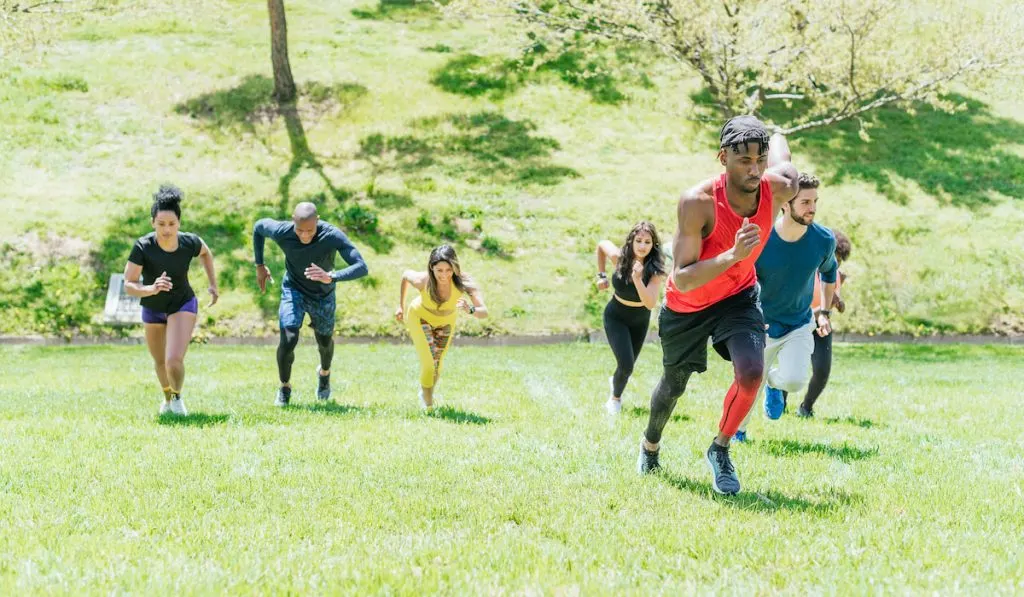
(786, 271)
(297, 256)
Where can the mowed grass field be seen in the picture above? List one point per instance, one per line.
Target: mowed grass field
(414, 129)
(908, 481)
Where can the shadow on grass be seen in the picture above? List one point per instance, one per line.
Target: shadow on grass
(334, 409)
(250, 102)
(787, 447)
(455, 415)
(481, 147)
(400, 10)
(239, 108)
(644, 412)
(193, 419)
(855, 421)
(960, 159)
(831, 502)
(497, 77)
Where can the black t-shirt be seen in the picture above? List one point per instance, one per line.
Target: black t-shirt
(155, 261)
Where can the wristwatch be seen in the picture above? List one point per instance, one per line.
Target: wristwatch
(602, 275)
(825, 312)
(472, 309)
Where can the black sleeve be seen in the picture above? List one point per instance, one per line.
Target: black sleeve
(198, 245)
(137, 256)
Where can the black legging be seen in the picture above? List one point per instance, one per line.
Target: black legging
(821, 367)
(747, 355)
(286, 352)
(626, 329)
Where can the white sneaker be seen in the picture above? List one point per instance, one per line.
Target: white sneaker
(423, 403)
(613, 406)
(178, 406)
(165, 407)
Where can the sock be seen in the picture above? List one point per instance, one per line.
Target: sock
(167, 393)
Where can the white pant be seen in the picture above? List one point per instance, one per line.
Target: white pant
(787, 363)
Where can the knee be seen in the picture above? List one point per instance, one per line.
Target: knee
(749, 374)
(625, 368)
(791, 382)
(324, 340)
(175, 363)
(674, 383)
(289, 338)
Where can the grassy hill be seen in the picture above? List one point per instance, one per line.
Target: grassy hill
(412, 130)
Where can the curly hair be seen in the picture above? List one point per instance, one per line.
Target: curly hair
(808, 181)
(843, 245)
(168, 198)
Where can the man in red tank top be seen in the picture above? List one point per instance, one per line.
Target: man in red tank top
(724, 223)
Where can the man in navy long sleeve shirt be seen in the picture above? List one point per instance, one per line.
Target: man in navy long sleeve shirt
(308, 286)
(797, 250)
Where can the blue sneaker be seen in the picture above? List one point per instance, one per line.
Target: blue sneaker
(774, 403)
(741, 436)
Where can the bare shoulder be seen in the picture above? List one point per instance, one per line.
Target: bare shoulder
(697, 203)
(417, 279)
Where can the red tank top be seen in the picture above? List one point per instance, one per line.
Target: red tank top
(741, 275)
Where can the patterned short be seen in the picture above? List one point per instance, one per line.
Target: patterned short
(295, 304)
(437, 340)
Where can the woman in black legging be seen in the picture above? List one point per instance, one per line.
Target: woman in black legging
(637, 279)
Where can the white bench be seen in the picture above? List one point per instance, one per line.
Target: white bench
(121, 308)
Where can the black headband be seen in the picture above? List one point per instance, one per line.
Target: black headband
(743, 129)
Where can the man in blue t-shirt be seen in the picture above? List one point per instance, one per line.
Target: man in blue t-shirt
(308, 286)
(796, 251)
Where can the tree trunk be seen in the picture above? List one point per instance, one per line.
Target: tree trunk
(284, 84)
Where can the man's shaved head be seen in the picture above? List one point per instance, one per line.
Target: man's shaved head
(304, 211)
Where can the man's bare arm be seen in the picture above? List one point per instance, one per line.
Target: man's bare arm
(781, 173)
(692, 212)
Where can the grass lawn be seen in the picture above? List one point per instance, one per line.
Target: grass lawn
(413, 130)
(909, 480)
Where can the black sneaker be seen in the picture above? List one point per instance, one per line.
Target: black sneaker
(323, 387)
(805, 412)
(647, 462)
(284, 396)
(723, 475)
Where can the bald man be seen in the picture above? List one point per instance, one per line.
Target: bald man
(308, 286)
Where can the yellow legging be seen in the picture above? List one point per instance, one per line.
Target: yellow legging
(431, 343)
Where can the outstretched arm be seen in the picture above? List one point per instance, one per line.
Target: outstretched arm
(605, 250)
(260, 231)
(417, 280)
(206, 258)
(829, 271)
(781, 173)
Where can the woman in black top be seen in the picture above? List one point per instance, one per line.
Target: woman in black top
(157, 272)
(637, 279)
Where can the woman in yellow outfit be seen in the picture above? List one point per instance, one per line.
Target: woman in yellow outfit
(431, 315)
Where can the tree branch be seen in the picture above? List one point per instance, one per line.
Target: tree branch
(912, 93)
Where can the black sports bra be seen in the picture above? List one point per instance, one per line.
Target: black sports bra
(625, 289)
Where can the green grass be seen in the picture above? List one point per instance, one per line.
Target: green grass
(909, 480)
(405, 118)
